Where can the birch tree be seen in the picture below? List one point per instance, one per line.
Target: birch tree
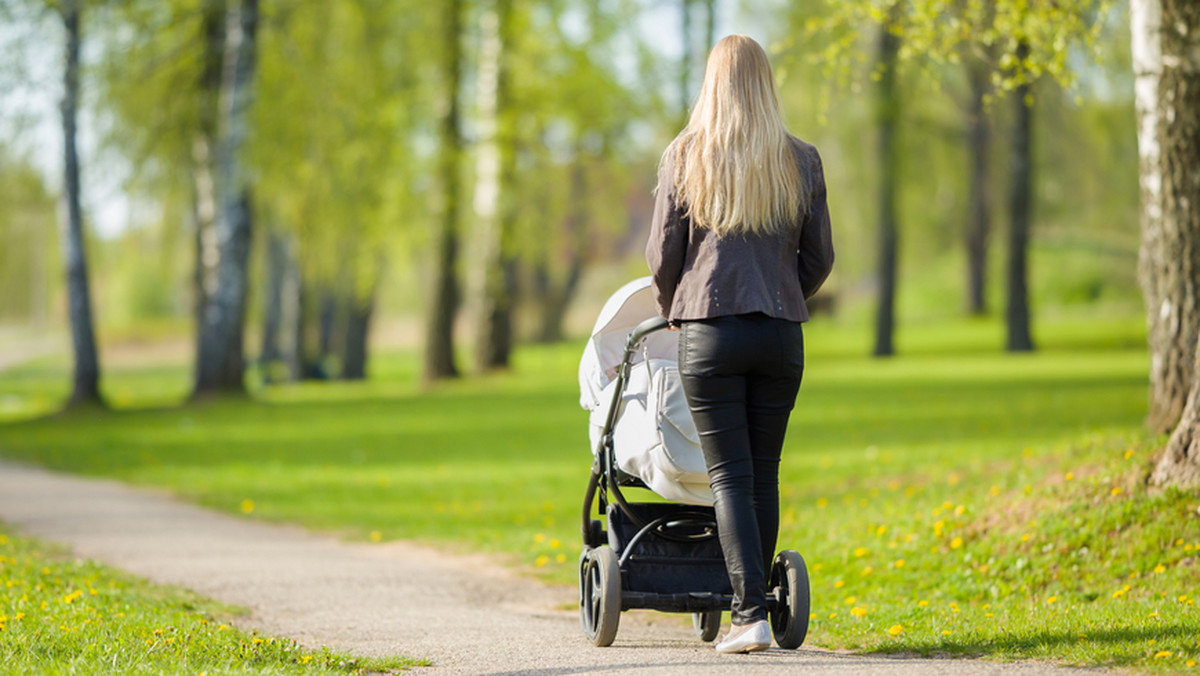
(220, 360)
(1166, 62)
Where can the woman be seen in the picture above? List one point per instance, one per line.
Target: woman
(739, 239)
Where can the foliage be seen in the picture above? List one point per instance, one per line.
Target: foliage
(65, 615)
(938, 32)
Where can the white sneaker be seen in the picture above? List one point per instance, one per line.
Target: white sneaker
(746, 638)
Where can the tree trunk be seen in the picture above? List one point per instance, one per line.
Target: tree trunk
(977, 224)
(685, 63)
(555, 298)
(1166, 92)
(439, 342)
(221, 359)
(204, 195)
(1166, 59)
(358, 329)
(86, 380)
(494, 186)
(1020, 208)
(887, 114)
(271, 355)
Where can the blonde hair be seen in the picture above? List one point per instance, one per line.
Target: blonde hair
(734, 168)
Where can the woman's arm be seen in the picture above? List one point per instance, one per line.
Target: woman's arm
(816, 239)
(667, 246)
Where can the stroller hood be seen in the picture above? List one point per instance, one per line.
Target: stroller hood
(624, 310)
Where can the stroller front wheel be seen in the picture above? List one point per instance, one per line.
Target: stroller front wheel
(600, 595)
(789, 581)
(707, 625)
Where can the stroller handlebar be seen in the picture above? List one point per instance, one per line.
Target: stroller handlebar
(647, 327)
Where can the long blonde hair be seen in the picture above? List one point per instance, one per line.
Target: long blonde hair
(733, 165)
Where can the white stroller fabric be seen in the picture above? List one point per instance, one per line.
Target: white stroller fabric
(654, 438)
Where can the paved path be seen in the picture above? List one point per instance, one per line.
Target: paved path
(466, 614)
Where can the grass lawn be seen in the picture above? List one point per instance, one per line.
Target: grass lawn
(953, 500)
(62, 615)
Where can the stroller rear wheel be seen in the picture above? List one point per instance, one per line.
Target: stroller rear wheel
(707, 625)
(600, 595)
(789, 581)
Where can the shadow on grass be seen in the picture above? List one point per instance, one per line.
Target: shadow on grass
(1111, 646)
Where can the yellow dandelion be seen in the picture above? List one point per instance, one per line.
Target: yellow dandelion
(257, 640)
(541, 561)
(376, 536)
(812, 616)
(832, 615)
(1025, 537)
(945, 632)
(1129, 454)
(247, 506)
(896, 630)
(989, 614)
(922, 603)
(1191, 663)
(18, 616)
(1069, 476)
(960, 510)
(555, 543)
(898, 563)
(818, 566)
(994, 491)
(1179, 542)
(1050, 600)
(866, 571)
(1163, 653)
(539, 538)
(1160, 568)
(956, 543)
(561, 558)
(839, 584)
(858, 611)
(860, 552)
(850, 600)
(822, 503)
(1153, 614)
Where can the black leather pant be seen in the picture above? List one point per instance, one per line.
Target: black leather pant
(741, 374)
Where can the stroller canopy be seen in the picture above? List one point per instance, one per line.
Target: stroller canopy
(629, 306)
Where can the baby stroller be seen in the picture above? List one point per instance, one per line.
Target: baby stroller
(655, 554)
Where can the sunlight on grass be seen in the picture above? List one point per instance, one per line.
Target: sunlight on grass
(952, 500)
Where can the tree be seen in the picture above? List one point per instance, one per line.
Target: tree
(887, 115)
(86, 380)
(1169, 258)
(494, 186)
(1166, 60)
(1019, 42)
(1020, 207)
(439, 336)
(220, 359)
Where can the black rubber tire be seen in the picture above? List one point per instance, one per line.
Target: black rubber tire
(707, 625)
(600, 595)
(789, 582)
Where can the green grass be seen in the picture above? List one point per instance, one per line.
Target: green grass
(63, 615)
(952, 458)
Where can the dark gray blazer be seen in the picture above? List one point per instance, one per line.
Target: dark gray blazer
(697, 275)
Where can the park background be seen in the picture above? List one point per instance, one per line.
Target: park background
(342, 257)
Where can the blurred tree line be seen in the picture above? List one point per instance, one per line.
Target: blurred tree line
(295, 160)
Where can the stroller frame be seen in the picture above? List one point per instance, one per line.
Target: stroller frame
(665, 556)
